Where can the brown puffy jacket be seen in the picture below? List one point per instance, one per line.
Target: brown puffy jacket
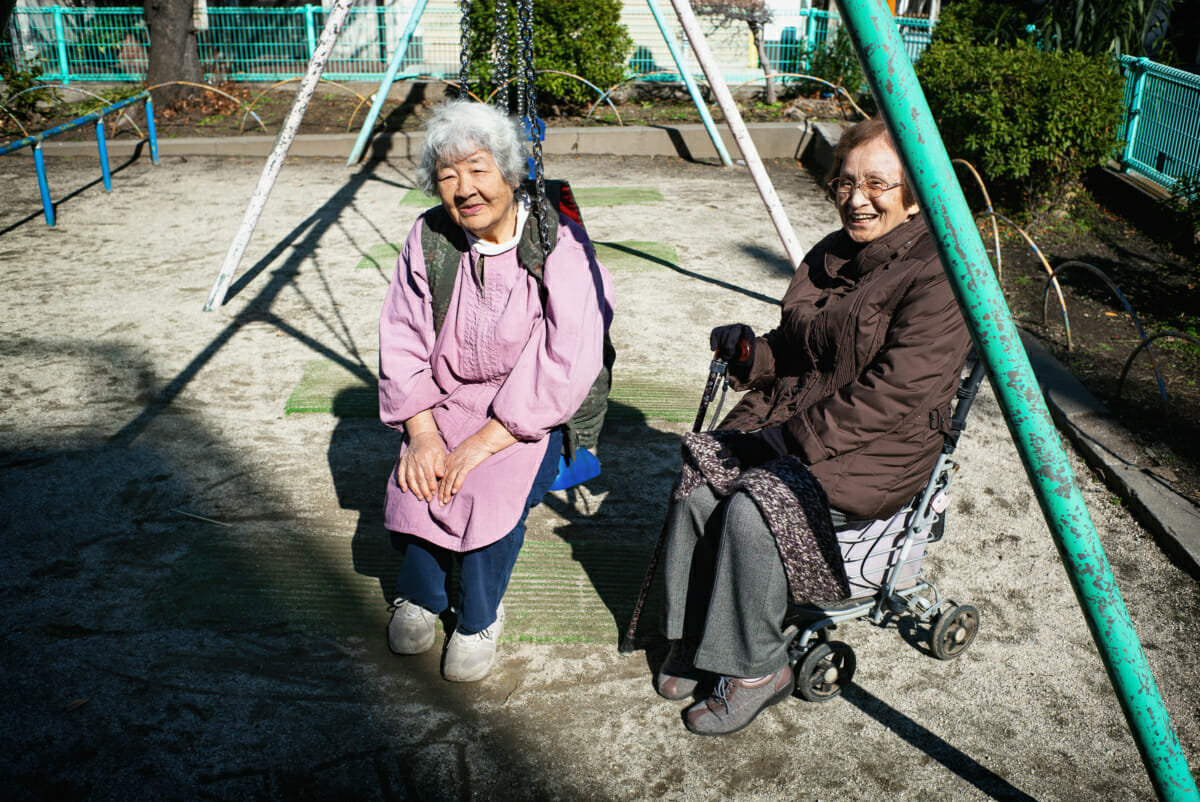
(862, 368)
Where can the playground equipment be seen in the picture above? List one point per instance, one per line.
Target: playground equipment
(393, 67)
(283, 142)
(910, 122)
(97, 118)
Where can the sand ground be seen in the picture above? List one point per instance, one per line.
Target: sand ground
(148, 653)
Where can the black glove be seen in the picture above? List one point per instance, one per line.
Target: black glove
(750, 449)
(734, 345)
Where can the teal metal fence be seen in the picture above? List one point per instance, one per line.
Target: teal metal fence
(273, 44)
(1162, 121)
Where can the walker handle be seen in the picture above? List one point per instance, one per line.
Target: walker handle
(716, 371)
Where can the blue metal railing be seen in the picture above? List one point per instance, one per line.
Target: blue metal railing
(97, 118)
(1162, 121)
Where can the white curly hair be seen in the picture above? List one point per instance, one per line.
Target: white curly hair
(458, 128)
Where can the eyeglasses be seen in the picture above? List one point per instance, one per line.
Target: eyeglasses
(843, 188)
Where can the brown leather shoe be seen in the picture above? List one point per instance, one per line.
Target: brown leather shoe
(677, 678)
(736, 702)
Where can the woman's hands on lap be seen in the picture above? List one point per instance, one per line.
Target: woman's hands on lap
(460, 462)
(490, 438)
(430, 471)
(422, 465)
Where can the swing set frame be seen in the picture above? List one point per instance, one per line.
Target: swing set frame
(336, 20)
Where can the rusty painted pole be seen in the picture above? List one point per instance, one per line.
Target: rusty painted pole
(902, 103)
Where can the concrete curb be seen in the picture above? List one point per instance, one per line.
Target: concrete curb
(783, 140)
(1110, 450)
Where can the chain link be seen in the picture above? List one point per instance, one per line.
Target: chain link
(464, 41)
(529, 117)
(502, 54)
(524, 34)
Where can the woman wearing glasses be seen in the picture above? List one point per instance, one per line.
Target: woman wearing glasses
(848, 400)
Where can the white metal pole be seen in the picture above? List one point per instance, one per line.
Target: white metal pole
(733, 118)
(283, 142)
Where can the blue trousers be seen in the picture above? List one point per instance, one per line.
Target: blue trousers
(483, 573)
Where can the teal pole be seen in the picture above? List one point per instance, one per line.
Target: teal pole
(690, 83)
(310, 31)
(102, 146)
(60, 39)
(151, 133)
(385, 85)
(1134, 113)
(902, 103)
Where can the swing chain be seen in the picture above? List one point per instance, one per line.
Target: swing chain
(529, 117)
(464, 40)
(502, 54)
(523, 35)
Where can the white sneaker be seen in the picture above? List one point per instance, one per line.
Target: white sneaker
(470, 657)
(412, 628)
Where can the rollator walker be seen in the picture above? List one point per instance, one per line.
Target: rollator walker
(883, 564)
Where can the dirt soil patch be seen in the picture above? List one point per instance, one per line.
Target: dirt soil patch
(1117, 279)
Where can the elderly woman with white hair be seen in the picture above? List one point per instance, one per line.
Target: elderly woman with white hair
(481, 383)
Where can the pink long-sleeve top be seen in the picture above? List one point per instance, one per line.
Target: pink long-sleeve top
(500, 354)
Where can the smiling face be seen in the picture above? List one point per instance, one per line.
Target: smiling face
(474, 192)
(866, 219)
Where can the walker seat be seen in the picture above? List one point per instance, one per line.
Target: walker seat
(883, 563)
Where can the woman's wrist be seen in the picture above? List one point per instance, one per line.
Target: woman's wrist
(421, 424)
(492, 437)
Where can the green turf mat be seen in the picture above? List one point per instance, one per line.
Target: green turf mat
(415, 197)
(380, 257)
(614, 196)
(636, 255)
(328, 386)
(584, 196)
(633, 398)
(247, 577)
(583, 593)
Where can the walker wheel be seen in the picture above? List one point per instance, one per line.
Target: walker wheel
(954, 631)
(825, 671)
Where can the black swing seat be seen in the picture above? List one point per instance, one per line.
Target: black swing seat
(883, 562)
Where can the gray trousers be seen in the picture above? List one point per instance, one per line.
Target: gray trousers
(726, 591)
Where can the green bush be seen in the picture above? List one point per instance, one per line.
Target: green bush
(20, 98)
(838, 64)
(1031, 122)
(106, 98)
(1095, 27)
(582, 37)
(982, 22)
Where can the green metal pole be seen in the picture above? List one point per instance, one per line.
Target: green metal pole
(902, 103)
